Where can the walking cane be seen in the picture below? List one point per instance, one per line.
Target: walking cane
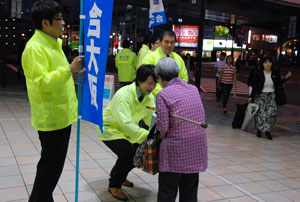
(203, 125)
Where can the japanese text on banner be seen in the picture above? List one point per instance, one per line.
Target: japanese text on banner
(157, 13)
(93, 31)
(97, 23)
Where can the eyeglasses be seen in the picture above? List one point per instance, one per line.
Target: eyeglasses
(58, 19)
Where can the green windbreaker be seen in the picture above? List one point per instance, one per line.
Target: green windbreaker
(142, 53)
(153, 58)
(122, 116)
(50, 84)
(125, 62)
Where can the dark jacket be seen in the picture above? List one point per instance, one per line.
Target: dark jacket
(259, 81)
(251, 75)
(250, 78)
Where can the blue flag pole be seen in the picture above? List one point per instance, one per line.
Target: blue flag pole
(79, 102)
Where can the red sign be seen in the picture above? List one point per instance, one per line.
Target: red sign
(255, 37)
(265, 37)
(186, 35)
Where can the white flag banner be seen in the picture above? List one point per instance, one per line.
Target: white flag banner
(157, 14)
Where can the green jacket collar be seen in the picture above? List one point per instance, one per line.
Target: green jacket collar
(138, 92)
(126, 49)
(145, 47)
(45, 38)
(162, 53)
(134, 88)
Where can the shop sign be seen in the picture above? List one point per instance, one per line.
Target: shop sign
(223, 43)
(273, 39)
(186, 35)
(264, 37)
(226, 44)
(255, 37)
(208, 45)
(220, 43)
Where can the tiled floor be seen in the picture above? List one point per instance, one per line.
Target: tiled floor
(242, 167)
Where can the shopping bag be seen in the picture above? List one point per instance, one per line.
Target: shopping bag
(151, 155)
(151, 152)
(251, 110)
(239, 115)
(138, 157)
(250, 125)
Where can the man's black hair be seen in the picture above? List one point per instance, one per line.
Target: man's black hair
(223, 54)
(44, 9)
(153, 39)
(126, 43)
(169, 33)
(143, 72)
(147, 39)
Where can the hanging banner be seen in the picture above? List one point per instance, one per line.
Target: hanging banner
(157, 14)
(97, 23)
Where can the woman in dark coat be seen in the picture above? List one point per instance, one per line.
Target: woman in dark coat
(266, 82)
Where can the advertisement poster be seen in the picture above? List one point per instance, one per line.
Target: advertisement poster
(186, 35)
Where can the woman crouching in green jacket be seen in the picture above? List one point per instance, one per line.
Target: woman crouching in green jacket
(121, 126)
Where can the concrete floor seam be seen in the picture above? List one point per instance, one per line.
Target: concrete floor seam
(235, 186)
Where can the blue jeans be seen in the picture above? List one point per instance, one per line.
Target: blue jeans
(226, 89)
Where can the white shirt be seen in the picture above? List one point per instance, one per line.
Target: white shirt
(219, 66)
(268, 85)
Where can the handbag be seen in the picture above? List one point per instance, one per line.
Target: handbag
(250, 111)
(280, 96)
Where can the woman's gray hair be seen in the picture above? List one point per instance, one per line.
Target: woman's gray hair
(167, 69)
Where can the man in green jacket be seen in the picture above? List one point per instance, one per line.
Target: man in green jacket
(51, 93)
(167, 45)
(143, 51)
(125, 62)
(121, 126)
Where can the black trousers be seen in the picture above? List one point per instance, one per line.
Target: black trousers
(168, 184)
(226, 89)
(49, 168)
(124, 164)
(218, 90)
